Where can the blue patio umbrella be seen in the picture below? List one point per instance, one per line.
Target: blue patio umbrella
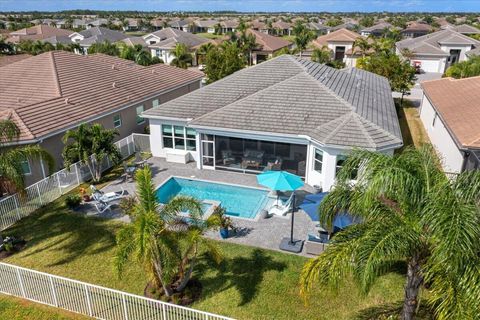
(280, 180)
(310, 206)
(284, 181)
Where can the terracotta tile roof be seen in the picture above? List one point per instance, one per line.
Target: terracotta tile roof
(47, 93)
(5, 60)
(458, 104)
(267, 42)
(39, 32)
(342, 35)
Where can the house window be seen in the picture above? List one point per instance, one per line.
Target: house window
(340, 161)
(178, 137)
(26, 169)
(434, 120)
(117, 121)
(155, 103)
(140, 120)
(318, 161)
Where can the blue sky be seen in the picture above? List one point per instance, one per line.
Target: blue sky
(246, 5)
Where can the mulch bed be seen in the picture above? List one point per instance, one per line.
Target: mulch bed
(192, 293)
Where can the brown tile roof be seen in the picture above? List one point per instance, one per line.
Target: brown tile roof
(39, 32)
(267, 42)
(47, 93)
(5, 60)
(341, 35)
(458, 104)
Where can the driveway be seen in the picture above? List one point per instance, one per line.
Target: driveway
(416, 93)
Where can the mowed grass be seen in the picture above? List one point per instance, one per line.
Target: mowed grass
(250, 283)
(413, 131)
(210, 36)
(12, 308)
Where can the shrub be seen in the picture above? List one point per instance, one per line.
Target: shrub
(73, 201)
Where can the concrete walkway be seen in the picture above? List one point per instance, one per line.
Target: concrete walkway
(263, 233)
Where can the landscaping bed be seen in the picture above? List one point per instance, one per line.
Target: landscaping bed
(249, 283)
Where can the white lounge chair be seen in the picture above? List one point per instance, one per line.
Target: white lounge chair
(100, 196)
(283, 209)
(103, 206)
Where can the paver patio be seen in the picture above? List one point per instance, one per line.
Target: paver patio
(263, 233)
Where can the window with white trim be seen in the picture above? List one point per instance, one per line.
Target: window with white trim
(140, 109)
(117, 121)
(178, 137)
(318, 160)
(340, 161)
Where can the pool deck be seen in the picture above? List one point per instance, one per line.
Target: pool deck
(263, 233)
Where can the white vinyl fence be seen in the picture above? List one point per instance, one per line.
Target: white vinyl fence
(90, 300)
(15, 207)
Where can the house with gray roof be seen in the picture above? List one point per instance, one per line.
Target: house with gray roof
(435, 52)
(96, 35)
(286, 113)
(162, 42)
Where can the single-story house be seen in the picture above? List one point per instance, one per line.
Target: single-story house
(96, 35)
(416, 29)
(161, 43)
(450, 112)
(40, 32)
(465, 29)
(348, 25)
(208, 26)
(229, 26)
(282, 28)
(267, 45)
(182, 25)
(47, 94)
(287, 113)
(377, 30)
(435, 52)
(318, 28)
(341, 43)
(260, 26)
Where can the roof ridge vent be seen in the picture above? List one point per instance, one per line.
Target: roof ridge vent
(67, 100)
(114, 84)
(114, 67)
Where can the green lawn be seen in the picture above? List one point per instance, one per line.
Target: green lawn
(210, 35)
(250, 284)
(413, 131)
(12, 308)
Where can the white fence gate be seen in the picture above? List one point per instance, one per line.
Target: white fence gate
(90, 300)
(15, 207)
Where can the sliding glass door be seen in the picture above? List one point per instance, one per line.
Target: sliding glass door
(208, 151)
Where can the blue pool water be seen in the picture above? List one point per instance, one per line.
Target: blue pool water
(238, 201)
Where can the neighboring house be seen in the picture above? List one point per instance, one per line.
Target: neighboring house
(416, 29)
(47, 94)
(267, 45)
(259, 26)
(341, 44)
(132, 25)
(287, 114)
(133, 41)
(205, 26)
(161, 43)
(97, 23)
(318, 28)
(96, 35)
(464, 29)
(435, 52)
(158, 24)
(377, 30)
(40, 32)
(182, 25)
(75, 23)
(229, 26)
(450, 114)
(349, 26)
(282, 28)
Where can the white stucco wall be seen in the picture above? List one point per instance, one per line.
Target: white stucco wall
(452, 157)
(463, 49)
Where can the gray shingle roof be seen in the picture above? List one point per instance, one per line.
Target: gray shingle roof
(100, 34)
(294, 96)
(431, 43)
(169, 37)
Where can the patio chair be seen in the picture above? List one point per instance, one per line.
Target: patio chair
(109, 196)
(252, 158)
(282, 210)
(139, 161)
(227, 157)
(129, 171)
(95, 190)
(102, 206)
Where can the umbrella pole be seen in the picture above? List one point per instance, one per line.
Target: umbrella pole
(293, 218)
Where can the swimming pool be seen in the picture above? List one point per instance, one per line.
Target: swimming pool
(238, 201)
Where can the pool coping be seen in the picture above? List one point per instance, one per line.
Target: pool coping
(257, 216)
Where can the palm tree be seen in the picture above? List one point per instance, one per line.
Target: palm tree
(323, 55)
(247, 42)
(158, 239)
(91, 145)
(11, 158)
(410, 211)
(202, 51)
(143, 58)
(183, 58)
(362, 44)
(303, 36)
